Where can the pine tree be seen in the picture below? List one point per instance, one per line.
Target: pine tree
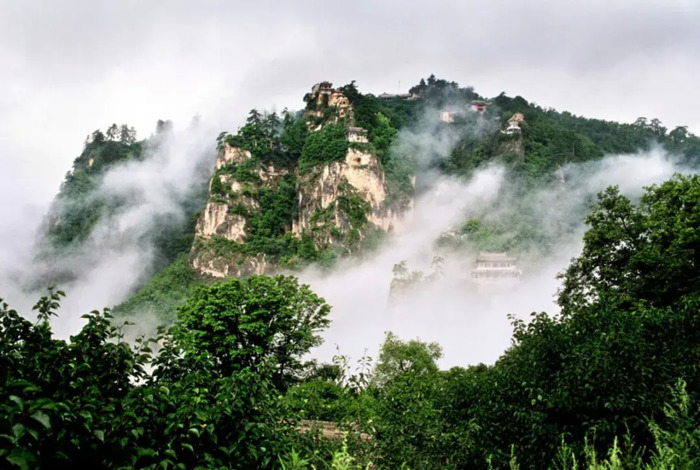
(112, 132)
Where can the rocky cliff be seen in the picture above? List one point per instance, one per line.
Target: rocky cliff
(332, 197)
(233, 190)
(512, 144)
(267, 210)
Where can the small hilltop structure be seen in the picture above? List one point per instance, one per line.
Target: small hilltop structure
(447, 116)
(356, 134)
(495, 268)
(478, 106)
(402, 96)
(514, 124)
(322, 97)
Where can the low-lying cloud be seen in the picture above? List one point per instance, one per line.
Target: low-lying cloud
(119, 252)
(472, 324)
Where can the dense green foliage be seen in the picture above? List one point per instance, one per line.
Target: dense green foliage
(601, 371)
(91, 401)
(551, 139)
(646, 253)
(325, 146)
(79, 206)
(82, 202)
(440, 92)
(163, 293)
(534, 159)
(244, 322)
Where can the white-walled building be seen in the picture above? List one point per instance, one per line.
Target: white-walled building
(447, 116)
(495, 268)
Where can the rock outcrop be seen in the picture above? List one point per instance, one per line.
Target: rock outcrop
(225, 216)
(207, 261)
(216, 220)
(230, 155)
(360, 174)
(255, 204)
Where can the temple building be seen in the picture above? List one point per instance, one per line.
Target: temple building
(495, 269)
(323, 88)
(447, 116)
(323, 95)
(356, 134)
(479, 106)
(514, 124)
(513, 128)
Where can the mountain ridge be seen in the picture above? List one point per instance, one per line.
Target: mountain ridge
(322, 182)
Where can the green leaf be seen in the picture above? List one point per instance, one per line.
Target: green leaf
(22, 459)
(18, 401)
(42, 418)
(99, 434)
(18, 430)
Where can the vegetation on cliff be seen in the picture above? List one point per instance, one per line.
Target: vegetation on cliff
(296, 149)
(78, 207)
(612, 382)
(299, 144)
(83, 202)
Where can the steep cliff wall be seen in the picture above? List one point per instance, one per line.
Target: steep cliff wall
(286, 193)
(512, 144)
(336, 204)
(223, 224)
(207, 261)
(216, 220)
(231, 155)
(332, 197)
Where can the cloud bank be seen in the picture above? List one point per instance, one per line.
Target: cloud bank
(119, 251)
(472, 324)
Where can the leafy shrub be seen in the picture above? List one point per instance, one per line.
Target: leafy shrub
(325, 146)
(97, 401)
(163, 293)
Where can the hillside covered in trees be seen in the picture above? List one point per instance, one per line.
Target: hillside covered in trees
(611, 381)
(330, 181)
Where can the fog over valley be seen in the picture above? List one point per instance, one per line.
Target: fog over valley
(367, 235)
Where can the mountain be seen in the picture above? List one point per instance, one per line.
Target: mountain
(339, 192)
(332, 180)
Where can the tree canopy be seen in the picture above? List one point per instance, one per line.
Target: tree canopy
(255, 321)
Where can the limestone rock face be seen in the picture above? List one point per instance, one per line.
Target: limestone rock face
(319, 190)
(215, 220)
(231, 154)
(361, 169)
(206, 262)
(230, 183)
(224, 216)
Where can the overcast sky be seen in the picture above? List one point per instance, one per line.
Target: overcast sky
(70, 67)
